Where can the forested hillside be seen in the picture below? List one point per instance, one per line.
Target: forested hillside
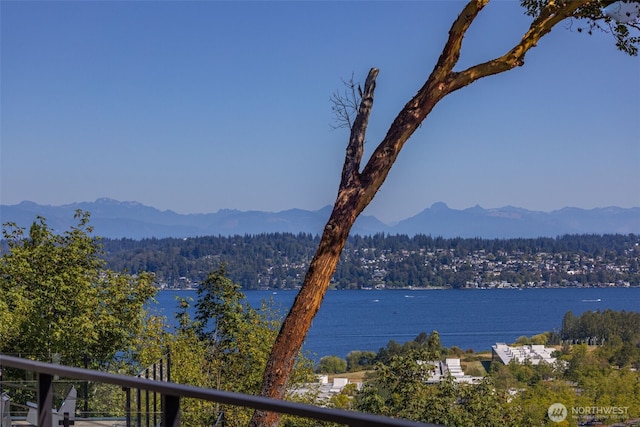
(280, 260)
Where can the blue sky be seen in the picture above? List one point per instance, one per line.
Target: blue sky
(201, 106)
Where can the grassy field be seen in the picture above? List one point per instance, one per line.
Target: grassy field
(354, 377)
(476, 364)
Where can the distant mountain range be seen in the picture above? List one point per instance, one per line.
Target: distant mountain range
(115, 219)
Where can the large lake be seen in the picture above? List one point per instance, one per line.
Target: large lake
(477, 319)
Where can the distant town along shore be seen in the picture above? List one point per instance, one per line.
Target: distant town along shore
(280, 260)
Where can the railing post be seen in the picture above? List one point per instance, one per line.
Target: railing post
(171, 414)
(45, 399)
(86, 387)
(155, 397)
(139, 407)
(127, 405)
(168, 364)
(161, 379)
(146, 399)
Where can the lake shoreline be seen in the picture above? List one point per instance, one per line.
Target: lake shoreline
(367, 320)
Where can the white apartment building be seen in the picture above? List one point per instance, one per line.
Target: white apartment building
(533, 353)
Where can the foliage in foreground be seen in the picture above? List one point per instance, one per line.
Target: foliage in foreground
(397, 387)
(583, 378)
(224, 347)
(58, 301)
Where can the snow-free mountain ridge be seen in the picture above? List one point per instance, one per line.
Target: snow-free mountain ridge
(115, 219)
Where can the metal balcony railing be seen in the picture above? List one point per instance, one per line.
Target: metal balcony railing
(172, 393)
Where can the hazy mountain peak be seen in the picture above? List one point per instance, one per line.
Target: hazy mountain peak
(439, 206)
(114, 219)
(114, 202)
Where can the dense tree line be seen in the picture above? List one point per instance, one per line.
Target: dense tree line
(616, 332)
(601, 326)
(280, 260)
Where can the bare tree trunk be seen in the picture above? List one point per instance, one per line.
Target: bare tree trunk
(304, 309)
(346, 209)
(357, 189)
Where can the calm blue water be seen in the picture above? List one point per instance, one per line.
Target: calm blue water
(477, 319)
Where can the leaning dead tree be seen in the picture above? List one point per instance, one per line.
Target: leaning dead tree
(359, 185)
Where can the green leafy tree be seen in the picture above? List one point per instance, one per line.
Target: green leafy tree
(331, 365)
(423, 342)
(398, 388)
(360, 360)
(225, 347)
(58, 299)
(461, 404)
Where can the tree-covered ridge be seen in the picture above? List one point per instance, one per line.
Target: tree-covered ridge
(279, 260)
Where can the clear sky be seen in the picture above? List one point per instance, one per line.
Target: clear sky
(201, 106)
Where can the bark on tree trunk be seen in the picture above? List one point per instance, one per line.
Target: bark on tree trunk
(306, 305)
(346, 209)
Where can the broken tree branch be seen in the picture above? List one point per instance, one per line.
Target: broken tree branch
(355, 148)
